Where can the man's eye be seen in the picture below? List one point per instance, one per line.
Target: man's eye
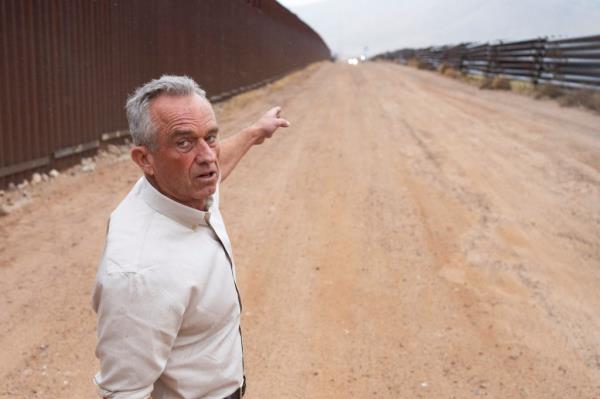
(211, 139)
(184, 144)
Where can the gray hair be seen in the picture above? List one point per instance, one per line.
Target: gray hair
(142, 128)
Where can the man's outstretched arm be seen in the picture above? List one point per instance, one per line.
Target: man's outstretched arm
(235, 147)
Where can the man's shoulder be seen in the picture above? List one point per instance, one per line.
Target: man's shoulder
(127, 227)
(132, 208)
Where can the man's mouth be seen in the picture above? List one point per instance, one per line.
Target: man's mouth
(207, 175)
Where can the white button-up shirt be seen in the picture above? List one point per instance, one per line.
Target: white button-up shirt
(167, 304)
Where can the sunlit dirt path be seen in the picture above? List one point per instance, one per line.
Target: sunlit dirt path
(409, 236)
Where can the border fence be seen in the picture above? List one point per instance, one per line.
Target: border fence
(568, 62)
(68, 65)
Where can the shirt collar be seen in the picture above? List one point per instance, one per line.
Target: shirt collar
(174, 210)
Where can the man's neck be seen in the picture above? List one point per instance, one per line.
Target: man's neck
(200, 204)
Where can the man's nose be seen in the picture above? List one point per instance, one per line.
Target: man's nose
(205, 153)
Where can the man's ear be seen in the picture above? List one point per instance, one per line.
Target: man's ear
(143, 158)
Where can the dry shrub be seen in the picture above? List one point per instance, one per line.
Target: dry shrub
(581, 98)
(427, 66)
(486, 83)
(589, 99)
(474, 80)
(500, 83)
(447, 70)
(523, 87)
(548, 91)
(419, 64)
(413, 62)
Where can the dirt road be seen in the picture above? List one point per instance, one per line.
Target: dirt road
(408, 237)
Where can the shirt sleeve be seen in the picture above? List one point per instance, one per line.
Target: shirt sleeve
(138, 320)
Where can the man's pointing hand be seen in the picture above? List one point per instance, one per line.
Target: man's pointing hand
(235, 147)
(268, 124)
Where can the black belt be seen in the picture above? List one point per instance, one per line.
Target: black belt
(238, 393)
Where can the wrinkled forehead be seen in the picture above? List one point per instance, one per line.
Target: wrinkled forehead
(166, 109)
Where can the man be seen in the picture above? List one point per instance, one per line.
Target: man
(165, 295)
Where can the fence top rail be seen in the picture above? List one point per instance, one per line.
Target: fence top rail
(584, 39)
(499, 49)
(476, 46)
(582, 43)
(522, 45)
(518, 43)
(572, 43)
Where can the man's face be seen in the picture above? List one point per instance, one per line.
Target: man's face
(184, 165)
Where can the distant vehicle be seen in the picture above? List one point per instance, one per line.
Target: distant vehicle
(356, 60)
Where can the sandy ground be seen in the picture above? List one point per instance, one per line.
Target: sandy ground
(408, 237)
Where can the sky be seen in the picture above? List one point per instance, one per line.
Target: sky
(351, 27)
